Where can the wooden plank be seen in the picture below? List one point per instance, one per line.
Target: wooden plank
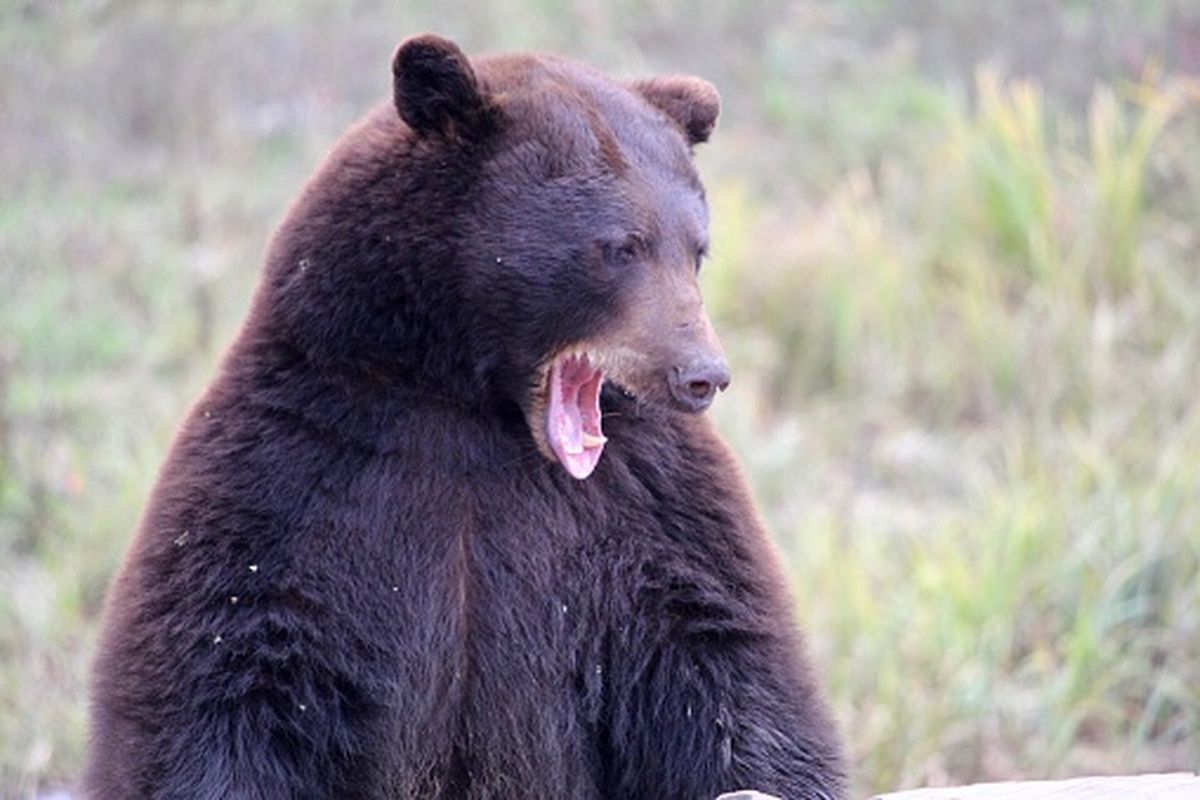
(1168, 786)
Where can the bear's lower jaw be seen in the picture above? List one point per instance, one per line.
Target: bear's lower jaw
(573, 413)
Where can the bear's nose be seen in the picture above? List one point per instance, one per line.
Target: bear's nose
(695, 385)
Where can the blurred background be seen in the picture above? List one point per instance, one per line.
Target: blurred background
(956, 264)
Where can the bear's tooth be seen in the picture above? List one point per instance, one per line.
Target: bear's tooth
(591, 441)
(572, 449)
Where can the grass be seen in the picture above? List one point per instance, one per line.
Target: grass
(963, 310)
(982, 387)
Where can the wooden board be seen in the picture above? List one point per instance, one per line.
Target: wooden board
(1172, 786)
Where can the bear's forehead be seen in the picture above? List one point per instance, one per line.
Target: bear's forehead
(571, 107)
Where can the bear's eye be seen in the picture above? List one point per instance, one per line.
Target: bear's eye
(626, 251)
(701, 254)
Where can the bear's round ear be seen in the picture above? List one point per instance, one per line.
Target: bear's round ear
(435, 89)
(693, 103)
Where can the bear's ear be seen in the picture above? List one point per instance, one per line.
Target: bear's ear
(435, 89)
(693, 103)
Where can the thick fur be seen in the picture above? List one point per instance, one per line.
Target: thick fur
(358, 577)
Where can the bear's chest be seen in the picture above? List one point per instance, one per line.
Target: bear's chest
(506, 613)
(537, 568)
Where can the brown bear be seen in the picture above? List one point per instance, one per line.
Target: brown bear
(448, 524)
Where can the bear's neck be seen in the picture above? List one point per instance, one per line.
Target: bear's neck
(354, 402)
(370, 300)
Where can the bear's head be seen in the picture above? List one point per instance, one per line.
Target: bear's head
(519, 230)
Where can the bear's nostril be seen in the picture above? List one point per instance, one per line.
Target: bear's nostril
(694, 387)
(701, 390)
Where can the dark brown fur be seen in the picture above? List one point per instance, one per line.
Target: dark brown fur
(358, 577)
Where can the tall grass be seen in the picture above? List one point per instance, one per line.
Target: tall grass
(985, 376)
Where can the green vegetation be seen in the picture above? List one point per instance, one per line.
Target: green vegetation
(962, 301)
(977, 377)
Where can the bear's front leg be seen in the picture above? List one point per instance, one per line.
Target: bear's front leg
(716, 712)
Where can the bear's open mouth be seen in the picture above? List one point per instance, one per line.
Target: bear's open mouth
(573, 415)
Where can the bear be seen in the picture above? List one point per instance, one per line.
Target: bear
(449, 521)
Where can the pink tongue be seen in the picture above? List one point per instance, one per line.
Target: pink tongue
(573, 421)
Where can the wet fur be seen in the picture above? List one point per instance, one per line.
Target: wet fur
(358, 577)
